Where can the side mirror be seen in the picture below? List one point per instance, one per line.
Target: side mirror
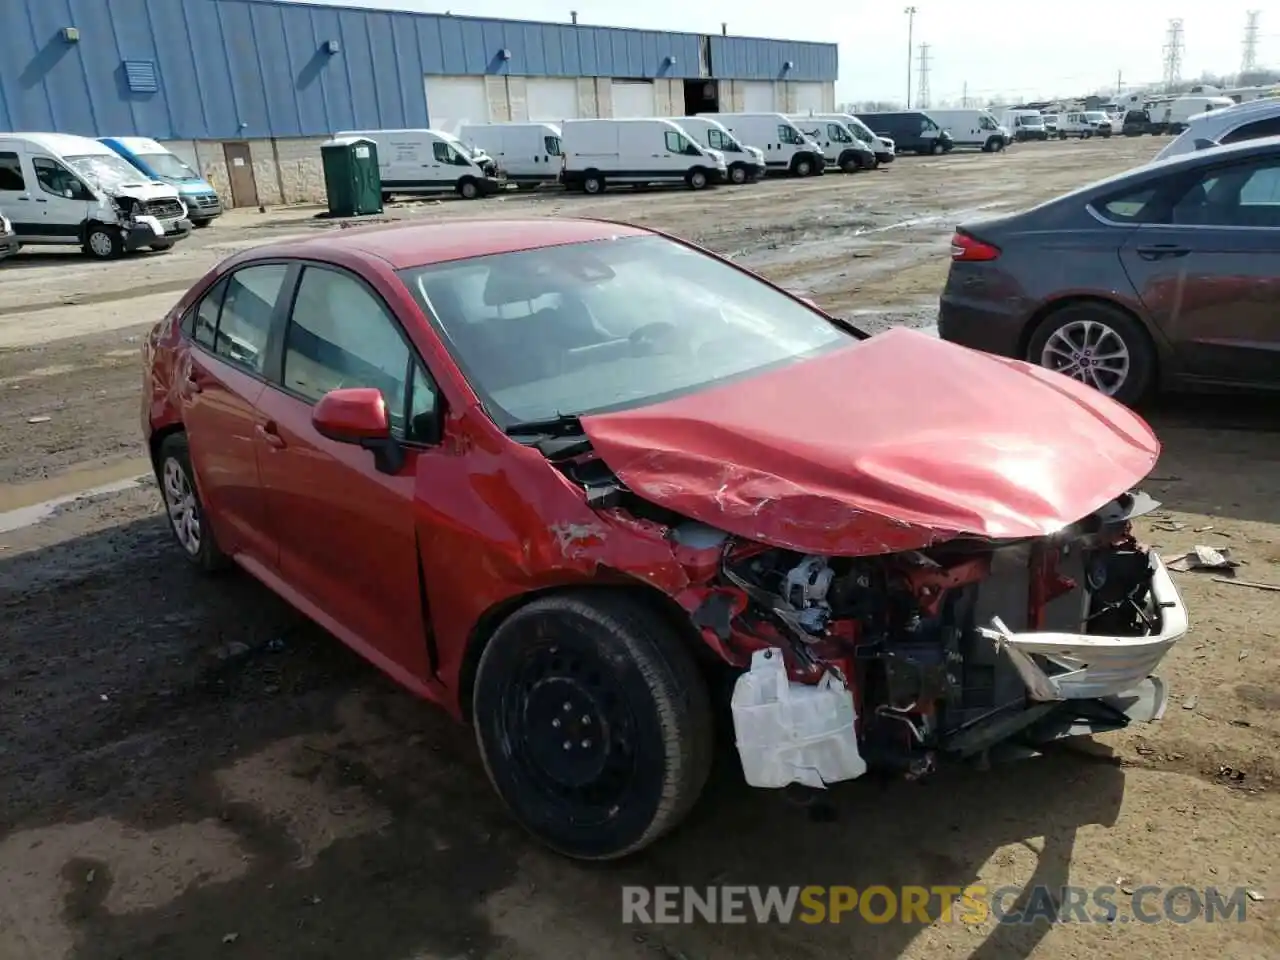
(358, 415)
(812, 303)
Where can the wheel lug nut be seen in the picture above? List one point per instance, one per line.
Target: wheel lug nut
(567, 706)
(568, 745)
(586, 743)
(556, 723)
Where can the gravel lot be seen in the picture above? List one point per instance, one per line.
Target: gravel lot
(189, 770)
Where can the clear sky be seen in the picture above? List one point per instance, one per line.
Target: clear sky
(994, 46)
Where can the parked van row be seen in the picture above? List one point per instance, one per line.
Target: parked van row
(59, 189)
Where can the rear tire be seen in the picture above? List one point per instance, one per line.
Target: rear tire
(593, 723)
(1102, 330)
(185, 509)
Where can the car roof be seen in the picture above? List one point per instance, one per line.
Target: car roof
(440, 241)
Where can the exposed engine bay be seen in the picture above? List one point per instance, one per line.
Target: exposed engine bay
(903, 660)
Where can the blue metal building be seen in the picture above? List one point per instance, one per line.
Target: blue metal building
(219, 70)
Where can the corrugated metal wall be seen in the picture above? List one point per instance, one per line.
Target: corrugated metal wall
(228, 69)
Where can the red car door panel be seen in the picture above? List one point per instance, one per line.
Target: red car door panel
(345, 532)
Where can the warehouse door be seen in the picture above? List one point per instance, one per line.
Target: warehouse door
(552, 99)
(244, 189)
(808, 97)
(757, 97)
(453, 101)
(634, 98)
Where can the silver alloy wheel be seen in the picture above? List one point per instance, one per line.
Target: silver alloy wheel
(738, 175)
(1088, 351)
(100, 243)
(697, 180)
(180, 501)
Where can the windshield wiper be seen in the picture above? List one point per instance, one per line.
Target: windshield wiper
(561, 425)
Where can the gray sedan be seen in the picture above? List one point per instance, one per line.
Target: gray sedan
(1164, 277)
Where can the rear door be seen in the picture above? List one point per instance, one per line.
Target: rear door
(346, 532)
(219, 380)
(1207, 271)
(16, 201)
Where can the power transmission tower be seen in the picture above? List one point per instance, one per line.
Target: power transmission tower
(922, 85)
(1173, 55)
(1249, 62)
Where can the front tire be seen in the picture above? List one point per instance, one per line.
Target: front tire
(593, 722)
(163, 246)
(200, 224)
(1098, 345)
(103, 242)
(468, 189)
(696, 179)
(738, 174)
(803, 167)
(185, 509)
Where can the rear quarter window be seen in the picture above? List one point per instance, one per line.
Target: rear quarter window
(1269, 127)
(1142, 205)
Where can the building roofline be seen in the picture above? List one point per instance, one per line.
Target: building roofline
(531, 23)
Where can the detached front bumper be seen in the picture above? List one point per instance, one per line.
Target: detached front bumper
(1085, 667)
(146, 231)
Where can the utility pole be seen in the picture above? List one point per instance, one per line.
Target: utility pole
(1173, 55)
(911, 49)
(1249, 62)
(964, 97)
(922, 88)
(1119, 82)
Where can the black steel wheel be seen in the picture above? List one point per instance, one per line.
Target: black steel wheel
(593, 722)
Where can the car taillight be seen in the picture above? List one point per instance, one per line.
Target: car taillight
(969, 249)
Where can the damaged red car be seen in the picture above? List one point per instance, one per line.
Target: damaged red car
(555, 474)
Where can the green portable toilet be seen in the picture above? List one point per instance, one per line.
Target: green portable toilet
(352, 183)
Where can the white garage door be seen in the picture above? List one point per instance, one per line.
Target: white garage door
(809, 97)
(552, 98)
(757, 97)
(634, 98)
(453, 101)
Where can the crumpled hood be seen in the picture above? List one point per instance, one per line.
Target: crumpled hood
(144, 191)
(893, 443)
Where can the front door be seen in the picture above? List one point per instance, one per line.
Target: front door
(61, 201)
(244, 188)
(346, 532)
(219, 381)
(1208, 274)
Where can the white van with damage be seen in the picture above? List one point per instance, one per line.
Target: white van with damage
(64, 190)
(745, 162)
(424, 162)
(527, 154)
(635, 152)
(786, 148)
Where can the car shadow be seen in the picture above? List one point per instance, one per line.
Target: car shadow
(1220, 456)
(192, 765)
(28, 259)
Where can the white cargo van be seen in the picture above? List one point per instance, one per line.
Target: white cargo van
(1178, 113)
(973, 128)
(883, 147)
(419, 162)
(745, 162)
(786, 149)
(839, 146)
(635, 152)
(527, 154)
(60, 189)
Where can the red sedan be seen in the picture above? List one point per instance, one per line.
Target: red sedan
(551, 473)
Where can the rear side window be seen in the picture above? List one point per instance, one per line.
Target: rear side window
(11, 172)
(552, 145)
(245, 319)
(1269, 127)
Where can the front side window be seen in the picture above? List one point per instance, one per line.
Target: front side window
(610, 324)
(719, 140)
(678, 143)
(838, 133)
(789, 134)
(552, 146)
(445, 153)
(11, 172)
(56, 180)
(986, 123)
(245, 319)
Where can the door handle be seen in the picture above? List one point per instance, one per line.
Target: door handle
(271, 434)
(1162, 250)
(41, 200)
(25, 199)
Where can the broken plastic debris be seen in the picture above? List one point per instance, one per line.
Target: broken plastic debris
(1190, 703)
(230, 937)
(1255, 584)
(1204, 558)
(38, 419)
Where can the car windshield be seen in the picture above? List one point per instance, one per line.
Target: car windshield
(608, 325)
(167, 165)
(1029, 121)
(1095, 115)
(860, 130)
(106, 170)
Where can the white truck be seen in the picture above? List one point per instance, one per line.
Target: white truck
(635, 151)
(1178, 113)
(841, 148)
(786, 149)
(527, 154)
(973, 128)
(1024, 125)
(745, 162)
(422, 162)
(1084, 124)
(60, 189)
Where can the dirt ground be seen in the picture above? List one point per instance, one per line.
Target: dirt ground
(189, 770)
